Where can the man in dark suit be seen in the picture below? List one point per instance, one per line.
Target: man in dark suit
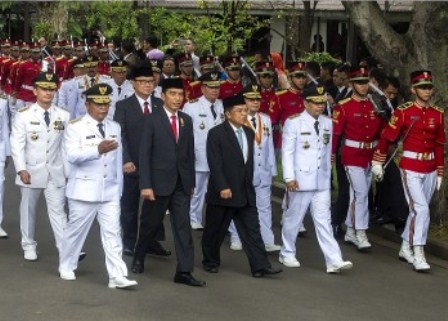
(167, 180)
(231, 193)
(130, 114)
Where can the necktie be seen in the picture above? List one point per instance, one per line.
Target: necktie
(174, 126)
(212, 108)
(239, 133)
(101, 129)
(119, 90)
(254, 122)
(146, 108)
(92, 82)
(47, 118)
(316, 127)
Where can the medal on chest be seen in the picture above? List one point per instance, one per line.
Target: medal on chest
(34, 136)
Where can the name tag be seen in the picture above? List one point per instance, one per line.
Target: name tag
(90, 137)
(305, 133)
(202, 115)
(35, 123)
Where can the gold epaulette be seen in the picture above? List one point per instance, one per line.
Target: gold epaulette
(75, 120)
(195, 83)
(343, 101)
(281, 92)
(23, 109)
(192, 101)
(439, 109)
(59, 58)
(406, 105)
(294, 116)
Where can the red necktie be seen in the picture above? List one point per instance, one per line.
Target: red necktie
(146, 108)
(174, 126)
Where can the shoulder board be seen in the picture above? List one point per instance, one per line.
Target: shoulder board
(59, 58)
(343, 101)
(281, 92)
(439, 109)
(293, 116)
(192, 101)
(23, 109)
(75, 120)
(195, 83)
(406, 105)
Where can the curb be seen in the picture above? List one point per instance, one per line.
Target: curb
(387, 232)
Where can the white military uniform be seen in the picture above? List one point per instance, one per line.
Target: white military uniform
(203, 120)
(306, 158)
(36, 148)
(64, 93)
(5, 150)
(77, 100)
(118, 93)
(93, 190)
(264, 169)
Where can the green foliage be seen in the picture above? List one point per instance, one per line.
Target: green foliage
(320, 57)
(42, 29)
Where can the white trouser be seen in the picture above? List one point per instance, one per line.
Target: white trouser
(320, 202)
(264, 208)
(197, 201)
(2, 189)
(55, 199)
(418, 189)
(358, 211)
(82, 214)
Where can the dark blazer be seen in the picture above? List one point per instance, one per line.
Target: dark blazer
(162, 160)
(227, 167)
(130, 116)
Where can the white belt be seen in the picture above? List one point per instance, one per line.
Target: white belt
(362, 145)
(418, 156)
(27, 87)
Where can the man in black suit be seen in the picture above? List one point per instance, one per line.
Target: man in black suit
(130, 114)
(167, 180)
(231, 193)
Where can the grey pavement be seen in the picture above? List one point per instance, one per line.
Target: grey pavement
(378, 288)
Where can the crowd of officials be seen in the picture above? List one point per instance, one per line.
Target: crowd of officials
(128, 136)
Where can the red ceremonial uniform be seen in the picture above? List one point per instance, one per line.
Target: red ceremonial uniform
(424, 128)
(24, 82)
(230, 88)
(192, 89)
(61, 65)
(291, 102)
(269, 105)
(68, 70)
(360, 125)
(103, 67)
(5, 81)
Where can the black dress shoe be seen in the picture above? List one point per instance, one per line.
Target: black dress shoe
(137, 266)
(187, 279)
(211, 269)
(82, 256)
(382, 220)
(128, 251)
(157, 249)
(266, 271)
(338, 231)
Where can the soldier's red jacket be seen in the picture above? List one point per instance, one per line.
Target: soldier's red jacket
(68, 68)
(24, 81)
(61, 65)
(103, 67)
(230, 88)
(360, 125)
(5, 69)
(291, 102)
(269, 105)
(424, 128)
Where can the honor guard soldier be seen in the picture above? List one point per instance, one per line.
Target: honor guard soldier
(306, 161)
(6, 84)
(290, 100)
(36, 139)
(62, 61)
(5, 51)
(206, 112)
(103, 60)
(5, 156)
(265, 168)
(24, 55)
(157, 74)
(185, 64)
(77, 53)
(26, 72)
(421, 127)
(121, 87)
(77, 106)
(207, 63)
(269, 101)
(93, 150)
(233, 85)
(360, 124)
(56, 48)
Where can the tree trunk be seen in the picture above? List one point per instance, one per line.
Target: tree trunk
(55, 14)
(424, 46)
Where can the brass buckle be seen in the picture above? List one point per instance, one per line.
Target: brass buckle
(368, 145)
(426, 156)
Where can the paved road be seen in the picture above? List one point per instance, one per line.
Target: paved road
(378, 288)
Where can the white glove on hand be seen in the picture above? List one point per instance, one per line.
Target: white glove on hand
(439, 182)
(378, 171)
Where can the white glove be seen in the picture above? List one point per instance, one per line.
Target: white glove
(439, 182)
(378, 171)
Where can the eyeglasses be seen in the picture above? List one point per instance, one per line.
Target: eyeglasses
(145, 81)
